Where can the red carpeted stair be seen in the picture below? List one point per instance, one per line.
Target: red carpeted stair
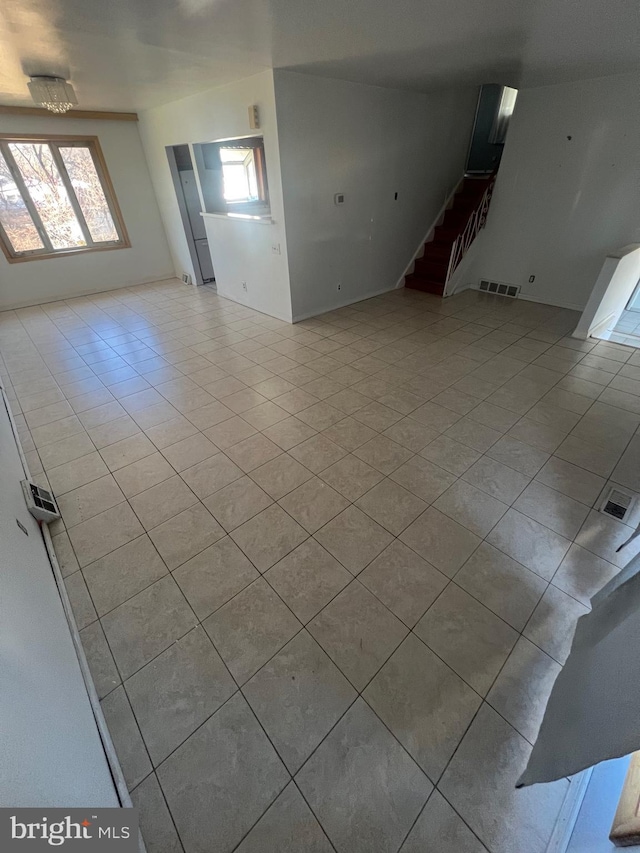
(431, 269)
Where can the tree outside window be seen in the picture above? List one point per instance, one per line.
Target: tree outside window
(56, 198)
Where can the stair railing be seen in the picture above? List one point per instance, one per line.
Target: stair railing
(475, 223)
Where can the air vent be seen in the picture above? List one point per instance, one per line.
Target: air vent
(617, 503)
(499, 288)
(41, 503)
(186, 278)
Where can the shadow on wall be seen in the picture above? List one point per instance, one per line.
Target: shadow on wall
(468, 54)
(566, 194)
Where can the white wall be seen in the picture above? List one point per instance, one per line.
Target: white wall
(52, 754)
(368, 143)
(148, 259)
(240, 250)
(614, 287)
(562, 205)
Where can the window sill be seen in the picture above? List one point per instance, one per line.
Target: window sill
(66, 253)
(240, 217)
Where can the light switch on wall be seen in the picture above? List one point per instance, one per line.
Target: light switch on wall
(338, 198)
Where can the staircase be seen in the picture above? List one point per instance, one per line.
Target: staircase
(453, 237)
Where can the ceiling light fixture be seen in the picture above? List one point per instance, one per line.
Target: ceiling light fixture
(53, 93)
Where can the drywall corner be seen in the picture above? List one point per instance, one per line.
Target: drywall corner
(394, 155)
(566, 192)
(614, 286)
(247, 269)
(147, 259)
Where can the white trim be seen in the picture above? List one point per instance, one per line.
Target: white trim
(91, 292)
(527, 297)
(464, 241)
(240, 217)
(427, 238)
(299, 317)
(608, 273)
(457, 290)
(101, 723)
(594, 331)
(195, 271)
(94, 700)
(273, 314)
(570, 306)
(569, 811)
(458, 282)
(107, 743)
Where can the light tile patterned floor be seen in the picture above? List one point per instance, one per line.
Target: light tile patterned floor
(326, 574)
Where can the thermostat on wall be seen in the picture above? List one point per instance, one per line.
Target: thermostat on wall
(41, 503)
(338, 198)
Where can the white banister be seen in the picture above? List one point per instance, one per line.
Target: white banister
(475, 223)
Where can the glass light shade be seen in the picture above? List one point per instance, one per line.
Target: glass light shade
(53, 93)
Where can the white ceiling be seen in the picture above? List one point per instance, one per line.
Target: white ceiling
(133, 54)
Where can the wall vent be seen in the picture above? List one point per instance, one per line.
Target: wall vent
(186, 278)
(41, 503)
(499, 287)
(617, 503)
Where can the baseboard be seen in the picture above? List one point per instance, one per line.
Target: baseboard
(274, 314)
(459, 281)
(527, 297)
(569, 811)
(343, 304)
(92, 695)
(463, 287)
(570, 306)
(30, 303)
(603, 325)
(429, 233)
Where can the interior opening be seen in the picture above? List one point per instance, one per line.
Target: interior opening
(626, 328)
(494, 109)
(613, 310)
(190, 206)
(233, 176)
(239, 175)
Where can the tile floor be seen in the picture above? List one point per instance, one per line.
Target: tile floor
(326, 574)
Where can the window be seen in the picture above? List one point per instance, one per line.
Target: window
(233, 176)
(239, 175)
(56, 198)
(501, 121)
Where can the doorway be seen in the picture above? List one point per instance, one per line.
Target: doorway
(612, 312)
(493, 113)
(634, 303)
(626, 329)
(184, 181)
